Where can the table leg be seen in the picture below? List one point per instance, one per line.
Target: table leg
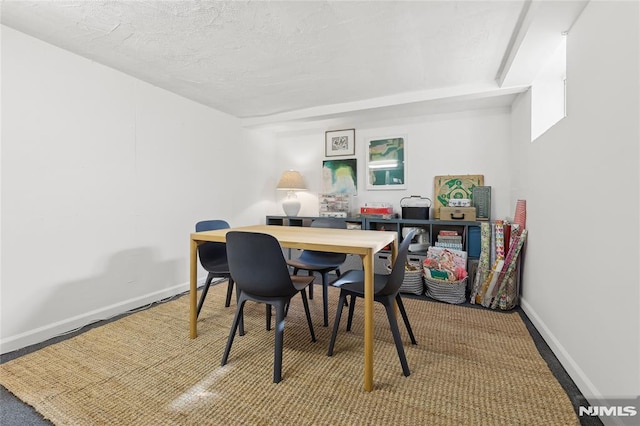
(193, 290)
(394, 251)
(367, 262)
(394, 254)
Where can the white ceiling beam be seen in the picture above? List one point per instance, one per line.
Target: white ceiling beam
(412, 100)
(540, 30)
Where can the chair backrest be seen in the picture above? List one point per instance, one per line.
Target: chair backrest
(335, 258)
(212, 254)
(397, 271)
(329, 222)
(211, 225)
(257, 264)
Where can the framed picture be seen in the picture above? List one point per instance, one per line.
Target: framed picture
(340, 143)
(386, 163)
(340, 176)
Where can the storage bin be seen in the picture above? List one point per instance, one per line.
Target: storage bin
(415, 207)
(382, 263)
(474, 241)
(412, 282)
(458, 213)
(454, 292)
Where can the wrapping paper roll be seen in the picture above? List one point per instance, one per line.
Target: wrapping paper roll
(484, 263)
(507, 237)
(499, 226)
(509, 259)
(507, 292)
(520, 218)
(492, 249)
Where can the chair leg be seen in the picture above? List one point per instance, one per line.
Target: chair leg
(325, 298)
(205, 290)
(336, 323)
(311, 286)
(234, 327)
(268, 316)
(352, 307)
(393, 323)
(241, 322)
(303, 293)
(338, 275)
(279, 342)
(405, 318)
(229, 293)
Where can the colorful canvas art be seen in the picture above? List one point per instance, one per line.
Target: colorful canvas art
(340, 176)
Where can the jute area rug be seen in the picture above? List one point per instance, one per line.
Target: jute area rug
(470, 367)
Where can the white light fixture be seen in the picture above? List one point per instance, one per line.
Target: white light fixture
(291, 181)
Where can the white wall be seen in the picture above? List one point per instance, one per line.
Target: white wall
(103, 178)
(581, 183)
(474, 142)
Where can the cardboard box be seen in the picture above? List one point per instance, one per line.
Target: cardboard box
(467, 214)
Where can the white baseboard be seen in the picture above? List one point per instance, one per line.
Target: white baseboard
(58, 328)
(581, 380)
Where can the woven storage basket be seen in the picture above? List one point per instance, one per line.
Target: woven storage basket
(412, 282)
(446, 291)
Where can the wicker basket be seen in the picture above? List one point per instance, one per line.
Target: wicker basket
(412, 282)
(446, 291)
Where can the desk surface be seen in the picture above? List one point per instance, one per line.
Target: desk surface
(350, 241)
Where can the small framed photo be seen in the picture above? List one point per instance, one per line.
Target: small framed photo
(386, 163)
(340, 143)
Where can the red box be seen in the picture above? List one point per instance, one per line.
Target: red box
(376, 210)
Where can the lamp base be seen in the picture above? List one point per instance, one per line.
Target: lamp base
(291, 205)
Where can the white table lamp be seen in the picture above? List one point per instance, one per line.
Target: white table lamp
(291, 181)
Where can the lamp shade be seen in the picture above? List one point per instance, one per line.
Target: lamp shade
(291, 180)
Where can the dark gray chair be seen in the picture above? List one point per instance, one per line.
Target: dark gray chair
(261, 274)
(213, 258)
(321, 262)
(386, 291)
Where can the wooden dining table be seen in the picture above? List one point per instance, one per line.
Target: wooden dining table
(364, 243)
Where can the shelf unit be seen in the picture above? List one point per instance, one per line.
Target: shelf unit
(470, 232)
(433, 227)
(306, 220)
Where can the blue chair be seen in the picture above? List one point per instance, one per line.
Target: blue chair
(386, 291)
(261, 275)
(213, 258)
(321, 262)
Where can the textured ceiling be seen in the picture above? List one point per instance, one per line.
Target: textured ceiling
(259, 58)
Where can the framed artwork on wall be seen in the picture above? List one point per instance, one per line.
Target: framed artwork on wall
(340, 143)
(386, 163)
(340, 176)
